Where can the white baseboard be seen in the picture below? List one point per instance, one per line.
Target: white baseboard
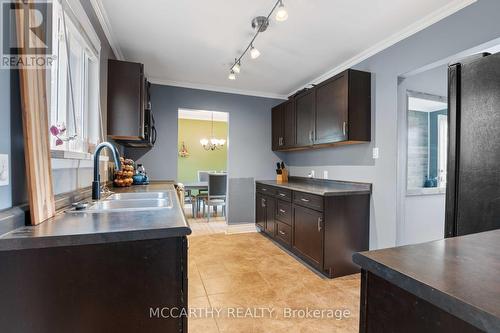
(241, 228)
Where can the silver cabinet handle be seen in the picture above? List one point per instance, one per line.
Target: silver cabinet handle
(263, 203)
(264, 189)
(282, 211)
(281, 232)
(319, 223)
(344, 128)
(304, 199)
(311, 136)
(282, 194)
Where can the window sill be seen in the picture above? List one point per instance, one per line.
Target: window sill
(73, 160)
(425, 191)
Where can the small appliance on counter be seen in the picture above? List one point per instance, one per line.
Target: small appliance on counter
(140, 178)
(281, 173)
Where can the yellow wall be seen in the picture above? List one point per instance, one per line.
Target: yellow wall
(191, 132)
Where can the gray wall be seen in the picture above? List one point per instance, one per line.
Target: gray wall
(249, 143)
(465, 29)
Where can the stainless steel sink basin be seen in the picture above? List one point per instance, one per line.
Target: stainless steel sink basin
(127, 205)
(139, 196)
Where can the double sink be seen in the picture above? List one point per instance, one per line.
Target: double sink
(123, 202)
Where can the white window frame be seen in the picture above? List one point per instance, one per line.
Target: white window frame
(442, 146)
(80, 31)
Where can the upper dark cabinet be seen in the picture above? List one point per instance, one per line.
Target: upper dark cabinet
(336, 111)
(130, 119)
(305, 105)
(283, 125)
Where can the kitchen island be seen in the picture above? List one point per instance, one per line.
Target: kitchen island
(106, 271)
(450, 285)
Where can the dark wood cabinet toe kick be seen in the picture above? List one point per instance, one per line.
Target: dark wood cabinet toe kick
(323, 230)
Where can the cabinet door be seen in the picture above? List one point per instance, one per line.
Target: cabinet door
(277, 127)
(308, 234)
(270, 215)
(304, 108)
(289, 124)
(331, 110)
(260, 211)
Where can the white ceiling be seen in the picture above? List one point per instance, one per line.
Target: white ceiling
(425, 105)
(193, 42)
(203, 115)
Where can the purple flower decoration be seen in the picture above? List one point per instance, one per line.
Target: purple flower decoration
(59, 142)
(54, 130)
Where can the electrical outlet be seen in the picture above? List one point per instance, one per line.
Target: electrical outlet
(4, 169)
(375, 153)
(325, 174)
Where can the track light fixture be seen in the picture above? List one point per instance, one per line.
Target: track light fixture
(260, 24)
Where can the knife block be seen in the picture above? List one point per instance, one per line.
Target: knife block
(283, 178)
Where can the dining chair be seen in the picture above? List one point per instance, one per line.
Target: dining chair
(202, 177)
(217, 193)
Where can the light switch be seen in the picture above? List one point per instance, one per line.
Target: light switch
(4, 169)
(375, 153)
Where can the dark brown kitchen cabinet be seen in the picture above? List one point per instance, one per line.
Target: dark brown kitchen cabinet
(331, 111)
(304, 108)
(324, 231)
(283, 125)
(260, 211)
(265, 213)
(130, 120)
(277, 127)
(308, 234)
(334, 112)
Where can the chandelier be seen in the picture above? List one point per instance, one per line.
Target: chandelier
(212, 143)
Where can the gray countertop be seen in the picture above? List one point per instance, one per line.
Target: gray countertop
(77, 228)
(320, 186)
(460, 275)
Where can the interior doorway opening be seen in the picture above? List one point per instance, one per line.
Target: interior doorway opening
(202, 162)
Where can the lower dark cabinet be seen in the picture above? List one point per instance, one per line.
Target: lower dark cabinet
(265, 207)
(308, 234)
(324, 231)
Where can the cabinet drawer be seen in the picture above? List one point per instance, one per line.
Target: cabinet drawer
(284, 212)
(284, 233)
(284, 194)
(268, 190)
(308, 200)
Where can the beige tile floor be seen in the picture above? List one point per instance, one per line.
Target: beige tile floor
(247, 272)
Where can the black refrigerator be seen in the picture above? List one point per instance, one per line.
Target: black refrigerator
(473, 175)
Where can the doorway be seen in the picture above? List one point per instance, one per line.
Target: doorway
(202, 159)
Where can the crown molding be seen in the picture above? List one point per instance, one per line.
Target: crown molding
(103, 18)
(412, 29)
(208, 87)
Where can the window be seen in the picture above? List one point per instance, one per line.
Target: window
(74, 81)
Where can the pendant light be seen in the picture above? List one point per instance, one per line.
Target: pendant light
(213, 143)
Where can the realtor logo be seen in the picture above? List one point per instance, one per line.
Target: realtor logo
(26, 34)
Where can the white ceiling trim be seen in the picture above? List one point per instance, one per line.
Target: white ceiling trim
(102, 16)
(405, 33)
(214, 88)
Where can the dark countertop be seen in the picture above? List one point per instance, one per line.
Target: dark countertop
(460, 275)
(320, 186)
(68, 229)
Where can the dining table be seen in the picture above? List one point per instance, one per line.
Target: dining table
(198, 185)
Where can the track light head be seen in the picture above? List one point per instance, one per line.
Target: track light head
(232, 76)
(254, 53)
(281, 13)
